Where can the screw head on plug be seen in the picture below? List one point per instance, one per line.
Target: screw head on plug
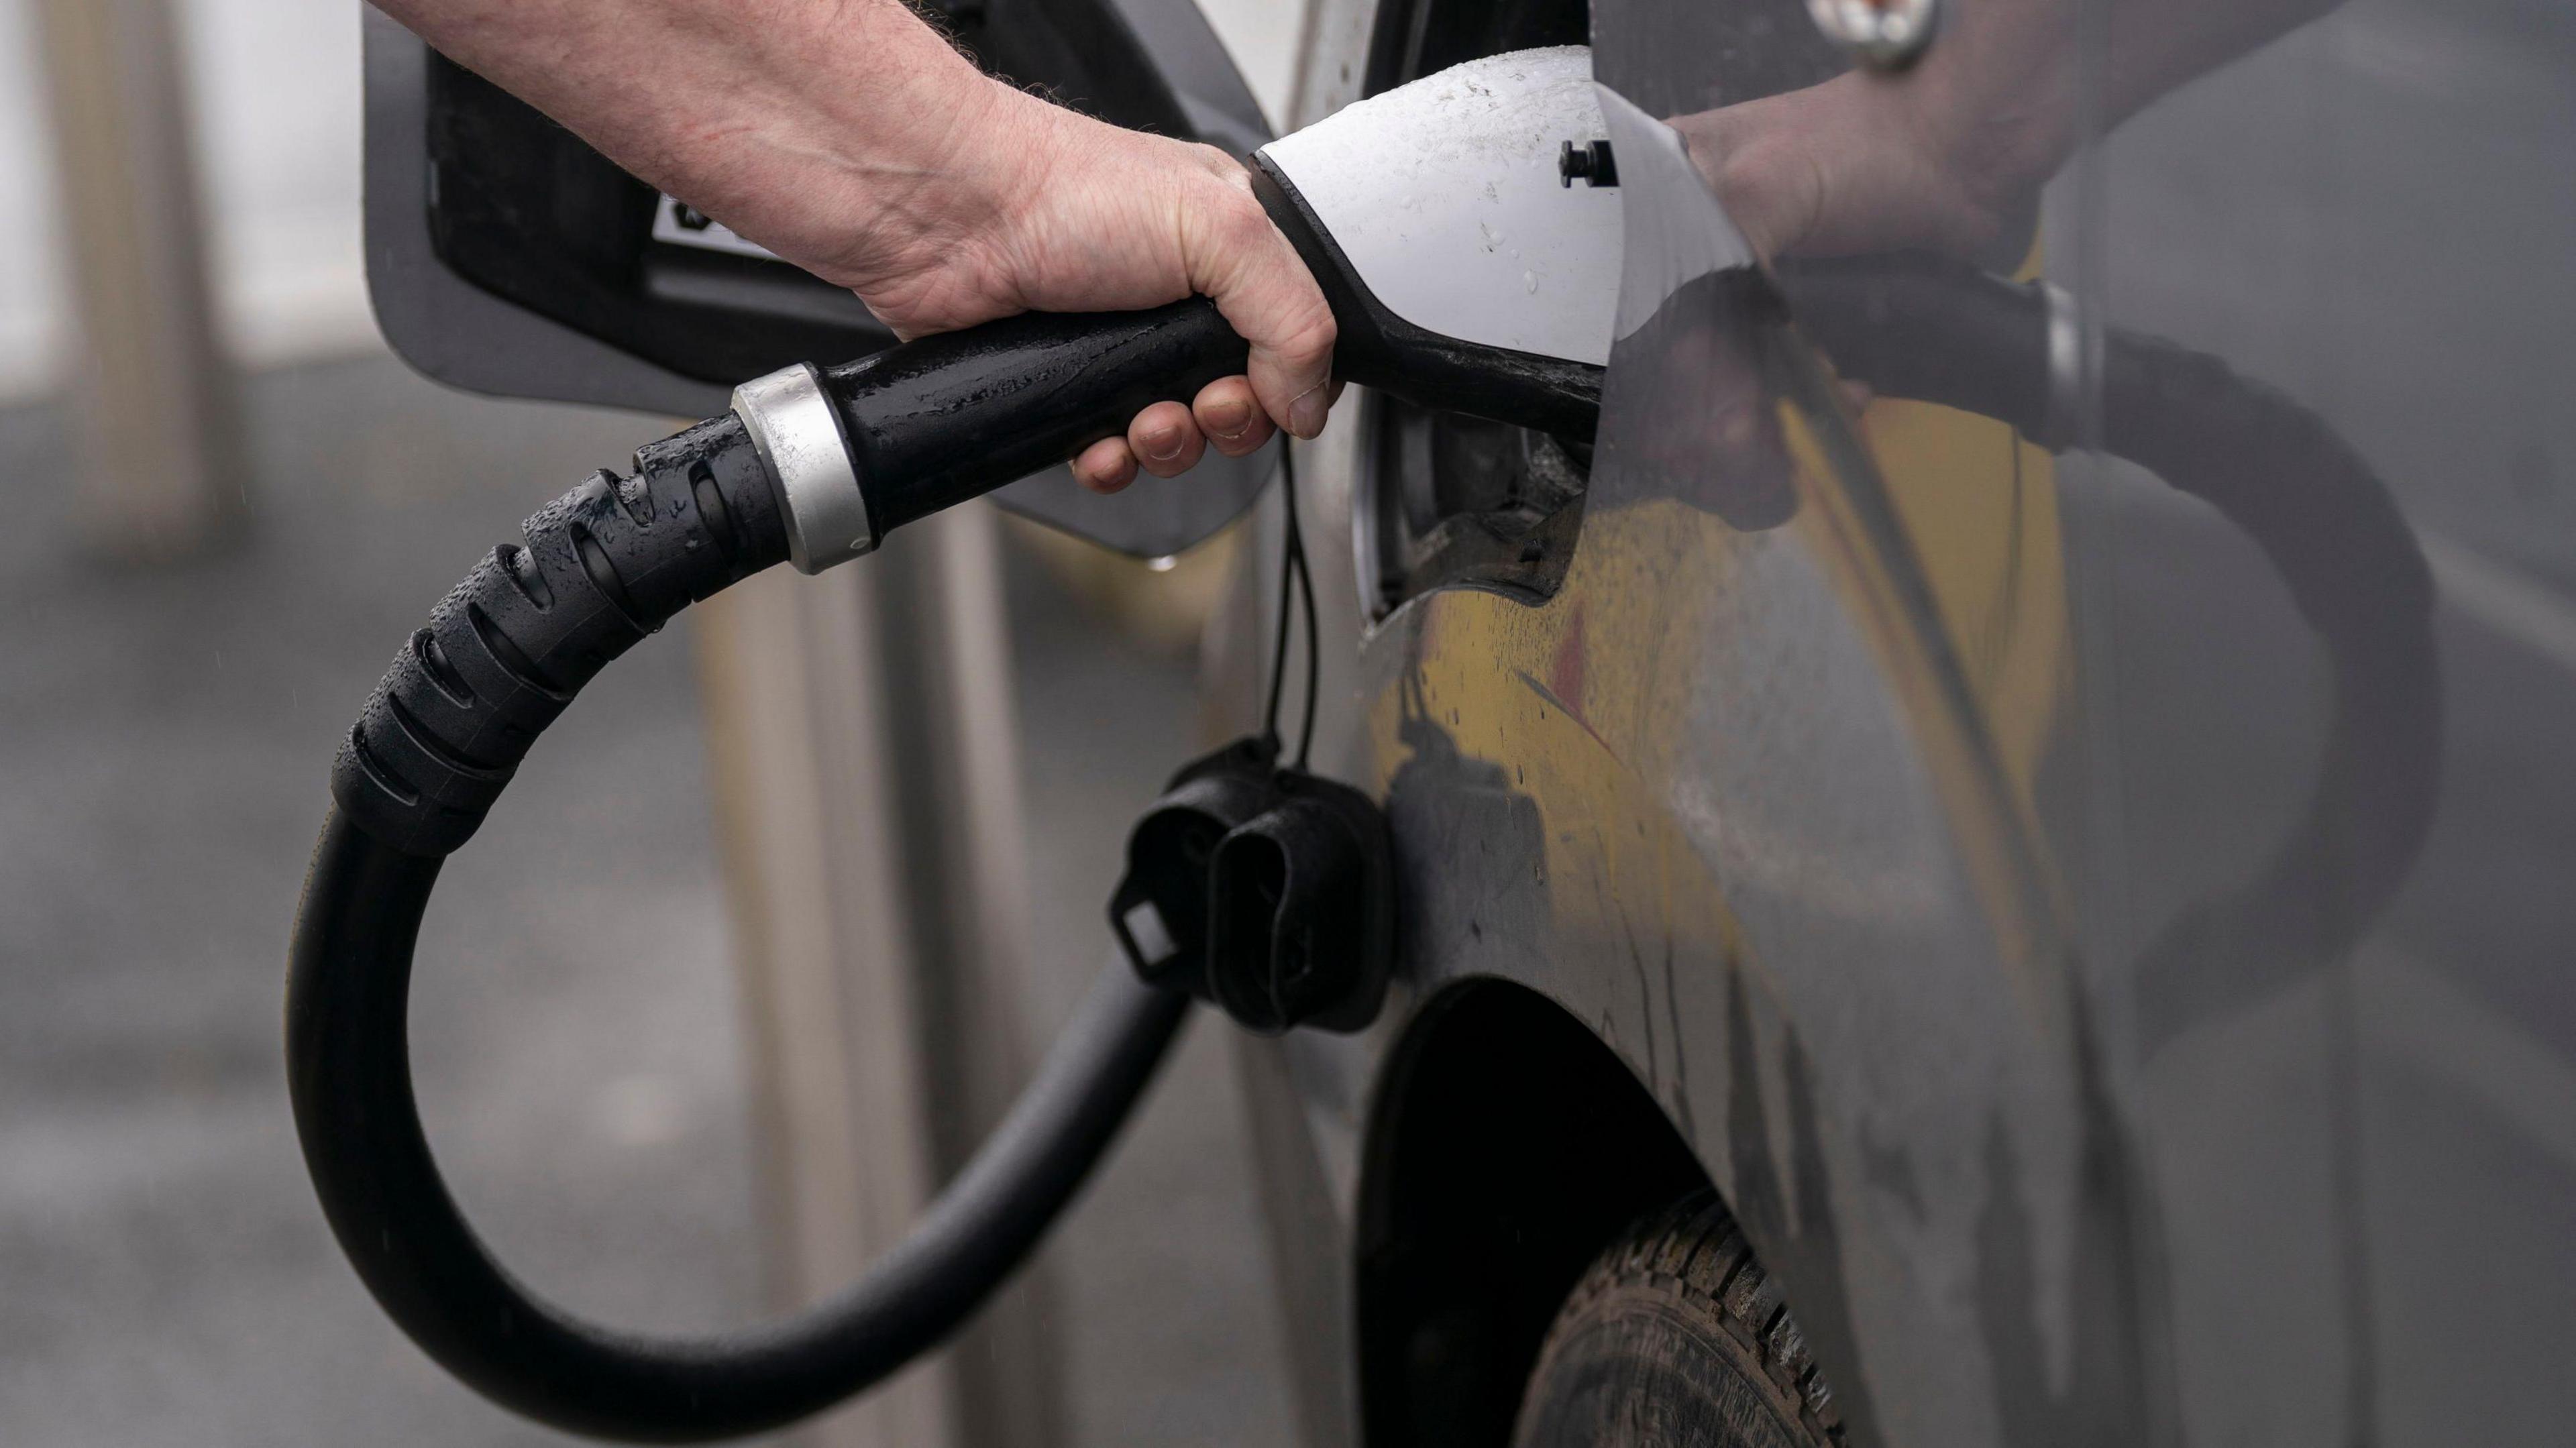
(1591, 162)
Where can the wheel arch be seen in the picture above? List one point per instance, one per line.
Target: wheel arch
(1506, 1145)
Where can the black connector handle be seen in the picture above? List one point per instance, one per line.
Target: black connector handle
(940, 420)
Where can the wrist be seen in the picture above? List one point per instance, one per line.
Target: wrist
(868, 144)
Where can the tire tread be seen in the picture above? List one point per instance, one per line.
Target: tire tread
(1694, 1249)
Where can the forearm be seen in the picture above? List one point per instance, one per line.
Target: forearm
(2159, 45)
(834, 131)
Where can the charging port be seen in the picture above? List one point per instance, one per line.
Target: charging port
(1458, 502)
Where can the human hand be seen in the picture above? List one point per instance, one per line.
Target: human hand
(1085, 216)
(1861, 164)
(1946, 156)
(850, 139)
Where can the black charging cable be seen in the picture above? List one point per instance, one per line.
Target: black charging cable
(924, 426)
(504, 653)
(402, 1230)
(814, 467)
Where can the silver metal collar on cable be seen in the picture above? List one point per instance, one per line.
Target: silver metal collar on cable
(797, 433)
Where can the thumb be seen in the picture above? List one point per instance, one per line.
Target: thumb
(1262, 288)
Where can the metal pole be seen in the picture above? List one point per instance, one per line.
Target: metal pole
(956, 751)
(151, 395)
(866, 776)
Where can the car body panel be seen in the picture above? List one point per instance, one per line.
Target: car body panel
(1688, 798)
(1861, 787)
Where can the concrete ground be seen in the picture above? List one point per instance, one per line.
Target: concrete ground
(164, 742)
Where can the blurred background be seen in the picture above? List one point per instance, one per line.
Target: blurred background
(227, 505)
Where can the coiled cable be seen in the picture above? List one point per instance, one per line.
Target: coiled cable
(504, 653)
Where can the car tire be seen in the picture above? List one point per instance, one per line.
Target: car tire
(1677, 1338)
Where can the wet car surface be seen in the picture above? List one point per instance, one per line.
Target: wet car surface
(2048, 757)
(2322, 1001)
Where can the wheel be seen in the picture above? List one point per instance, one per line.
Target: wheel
(1676, 1338)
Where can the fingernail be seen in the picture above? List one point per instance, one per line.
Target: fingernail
(1306, 414)
(1229, 419)
(1164, 446)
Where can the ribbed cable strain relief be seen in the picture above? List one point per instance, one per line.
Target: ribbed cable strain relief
(505, 651)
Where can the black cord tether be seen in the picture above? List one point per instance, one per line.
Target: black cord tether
(1295, 574)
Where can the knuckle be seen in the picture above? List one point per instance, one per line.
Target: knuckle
(1242, 222)
(1309, 342)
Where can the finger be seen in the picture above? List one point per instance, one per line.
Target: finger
(1231, 416)
(1254, 276)
(1105, 466)
(1165, 440)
